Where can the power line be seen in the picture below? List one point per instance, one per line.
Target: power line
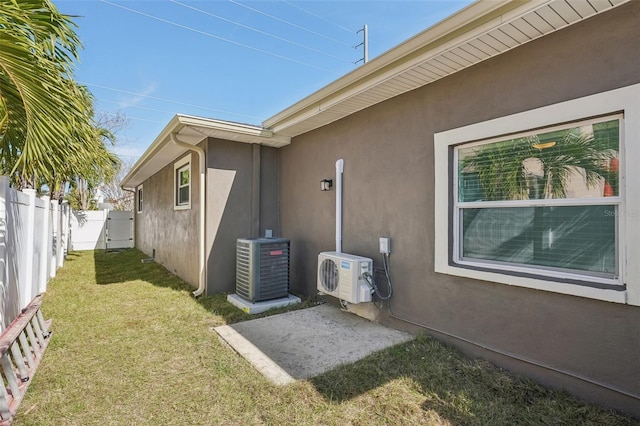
(133, 118)
(218, 37)
(166, 100)
(318, 16)
(260, 31)
(138, 106)
(289, 23)
(159, 110)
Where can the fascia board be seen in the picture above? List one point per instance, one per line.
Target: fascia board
(248, 129)
(162, 139)
(238, 132)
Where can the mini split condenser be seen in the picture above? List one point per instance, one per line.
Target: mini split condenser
(342, 275)
(262, 268)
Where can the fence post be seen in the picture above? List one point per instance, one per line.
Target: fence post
(105, 228)
(55, 240)
(63, 232)
(68, 237)
(43, 274)
(4, 189)
(25, 290)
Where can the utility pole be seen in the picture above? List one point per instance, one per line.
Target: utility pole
(365, 44)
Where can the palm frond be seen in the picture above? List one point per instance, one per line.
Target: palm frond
(46, 118)
(502, 175)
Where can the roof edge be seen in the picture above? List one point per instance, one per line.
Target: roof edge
(480, 12)
(248, 133)
(232, 126)
(174, 125)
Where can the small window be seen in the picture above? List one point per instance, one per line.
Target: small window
(182, 184)
(139, 193)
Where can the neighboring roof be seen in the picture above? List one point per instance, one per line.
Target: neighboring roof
(193, 130)
(478, 32)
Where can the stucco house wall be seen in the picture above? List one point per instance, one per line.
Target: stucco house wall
(587, 346)
(173, 234)
(242, 202)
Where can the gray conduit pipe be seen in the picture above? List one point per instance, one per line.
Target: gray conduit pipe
(515, 356)
(202, 279)
(135, 208)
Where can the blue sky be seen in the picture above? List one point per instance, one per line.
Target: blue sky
(228, 59)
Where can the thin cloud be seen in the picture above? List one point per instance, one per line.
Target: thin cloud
(138, 98)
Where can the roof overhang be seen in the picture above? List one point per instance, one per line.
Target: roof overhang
(482, 30)
(193, 130)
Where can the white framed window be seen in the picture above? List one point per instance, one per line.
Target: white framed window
(542, 202)
(182, 184)
(542, 198)
(139, 199)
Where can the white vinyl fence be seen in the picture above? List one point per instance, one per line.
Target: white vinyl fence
(101, 229)
(34, 235)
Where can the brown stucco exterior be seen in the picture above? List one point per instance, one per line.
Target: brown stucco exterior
(242, 202)
(173, 234)
(586, 346)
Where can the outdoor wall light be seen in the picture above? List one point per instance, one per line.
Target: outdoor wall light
(326, 184)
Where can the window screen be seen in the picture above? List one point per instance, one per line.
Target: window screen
(545, 200)
(183, 185)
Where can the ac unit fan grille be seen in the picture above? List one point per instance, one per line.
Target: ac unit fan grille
(262, 268)
(274, 271)
(243, 270)
(329, 276)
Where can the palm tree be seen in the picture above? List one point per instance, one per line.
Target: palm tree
(46, 119)
(540, 167)
(501, 168)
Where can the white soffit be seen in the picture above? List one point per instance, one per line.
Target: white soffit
(480, 31)
(193, 130)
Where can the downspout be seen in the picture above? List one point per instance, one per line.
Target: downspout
(134, 210)
(202, 280)
(339, 170)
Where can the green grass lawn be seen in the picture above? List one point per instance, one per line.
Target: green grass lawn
(131, 346)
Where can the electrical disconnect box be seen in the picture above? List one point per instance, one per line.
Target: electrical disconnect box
(385, 245)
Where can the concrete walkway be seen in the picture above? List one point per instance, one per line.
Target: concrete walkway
(305, 343)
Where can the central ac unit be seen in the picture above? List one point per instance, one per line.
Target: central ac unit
(262, 268)
(343, 276)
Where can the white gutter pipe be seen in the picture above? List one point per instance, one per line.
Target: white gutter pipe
(339, 171)
(202, 279)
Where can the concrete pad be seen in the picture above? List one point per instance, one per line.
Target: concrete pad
(265, 305)
(305, 343)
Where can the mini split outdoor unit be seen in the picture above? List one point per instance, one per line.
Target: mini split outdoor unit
(342, 275)
(262, 268)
